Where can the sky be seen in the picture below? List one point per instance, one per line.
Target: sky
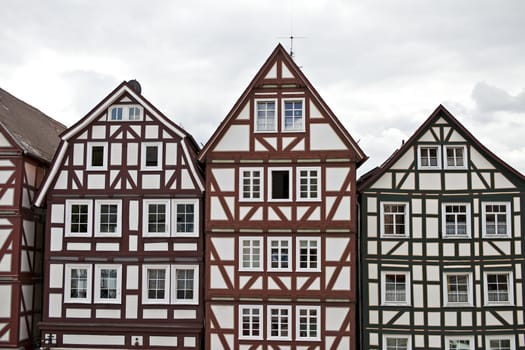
(381, 66)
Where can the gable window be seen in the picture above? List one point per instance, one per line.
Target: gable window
(455, 157)
(251, 182)
(396, 342)
(279, 254)
(78, 218)
(250, 321)
(496, 219)
(116, 113)
(97, 156)
(108, 218)
(459, 343)
(308, 322)
(500, 343)
(279, 322)
(308, 183)
(251, 254)
(293, 115)
(156, 281)
(308, 254)
(77, 284)
(125, 112)
(156, 218)
(458, 289)
(186, 284)
(108, 280)
(135, 113)
(265, 115)
(280, 184)
(429, 157)
(394, 219)
(456, 222)
(151, 156)
(498, 288)
(186, 223)
(395, 286)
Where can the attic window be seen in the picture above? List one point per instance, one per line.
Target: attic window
(293, 115)
(126, 113)
(429, 157)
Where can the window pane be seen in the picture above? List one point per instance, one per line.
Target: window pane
(280, 184)
(97, 156)
(152, 158)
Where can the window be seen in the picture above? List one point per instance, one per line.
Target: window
(156, 218)
(280, 184)
(396, 342)
(116, 113)
(293, 116)
(97, 156)
(186, 217)
(498, 288)
(186, 284)
(458, 289)
(135, 113)
(78, 284)
(279, 322)
(265, 115)
(125, 113)
(308, 184)
(496, 219)
(250, 321)
(396, 288)
(279, 254)
(151, 156)
(108, 215)
(455, 157)
(500, 343)
(251, 182)
(308, 322)
(394, 219)
(308, 254)
(108, 281)
(456, 220)
(78, 218)
(429, 157)
(459, 343)
(155, 284)
(251, 254)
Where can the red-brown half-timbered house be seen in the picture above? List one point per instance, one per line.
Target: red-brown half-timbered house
(280, 221)
(123, 243)
(28, 140)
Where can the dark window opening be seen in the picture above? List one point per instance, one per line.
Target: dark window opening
(97, 156)
(152, 155)
(280, 184)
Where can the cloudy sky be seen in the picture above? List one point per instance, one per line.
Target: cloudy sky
(382, 66)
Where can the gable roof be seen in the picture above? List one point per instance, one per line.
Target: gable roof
(35, 133)
(440, 112)
(125, 87)
(280, 53)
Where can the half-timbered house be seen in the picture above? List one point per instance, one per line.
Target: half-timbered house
(442, 245)
(28, 140)
(123, 243)
(280, 226)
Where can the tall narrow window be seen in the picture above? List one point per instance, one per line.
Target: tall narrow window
(250, 321)
(96, 156)
(429, 157)
(77, 283)
(308, 323)
(157, 281)
(458, 288)
(108, 284)
(279, 322)
(496, 219)
(456, 220)
(279, 254)
(185, 217)
(151, 156)
(156, 218)
(395, 217)
(185, 287)
(108, 217)
(308, 254)
(498, 288)
(280, 184)
(251, 182)
(308, 183)
(265, 116)
(293, 115)
(251, 254)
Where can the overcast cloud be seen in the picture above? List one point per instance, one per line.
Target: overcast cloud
(382, 66)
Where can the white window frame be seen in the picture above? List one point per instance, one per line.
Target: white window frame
(98, 204)
(196, 218)
(125, 112)
(466, 337)
(397, 336)
(406, 220)
(145, 284)
(269, 253)
(261, 321)
(269, 322)
(444, 221)
(145, 217)
(298, 254)
(270, 184)
(241, 185)
(98, 298)
(298, 323)
(298, 184)
(89, 152)
(510, 287)
(67, 283)
(511, 338)
(445, 157)
(141, 114)
(438, 157)
(283, 116)
(408, 284)
(241, 253)
(255, 114)
(507, 220)
(144, 146)
(196, 278)
(470, 291)
(69, 204)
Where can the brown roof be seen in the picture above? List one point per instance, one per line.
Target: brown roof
(34, 132)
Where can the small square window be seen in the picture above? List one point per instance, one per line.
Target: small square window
(496, 219)
(498, 288)
(396, 288)
(116, 113)
(456, 220)
(394, 219)
(79, 218)
(156, 282)
(250, 321)
(108, 218)
(186, 218)
(151, 156)
(265, 113)
(455, 157)
(308, 254)
(97, 156)
(458, 288)
(156, 219)
(279, 250)
(429, 157)
(280, 184)
(135, 113)
(293, 115)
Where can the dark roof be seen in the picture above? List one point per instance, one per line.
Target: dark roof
(34, 132)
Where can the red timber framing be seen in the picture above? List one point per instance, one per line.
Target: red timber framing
(281, 219)
(124, 249)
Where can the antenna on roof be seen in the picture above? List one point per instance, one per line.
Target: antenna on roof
(292, 37)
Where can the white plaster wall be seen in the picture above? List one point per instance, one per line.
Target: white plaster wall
(236, 138)
(323, 137)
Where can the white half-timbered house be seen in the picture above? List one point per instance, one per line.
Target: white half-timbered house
(28, 140)
(442, 245)
(280, 223)
(123, 242)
